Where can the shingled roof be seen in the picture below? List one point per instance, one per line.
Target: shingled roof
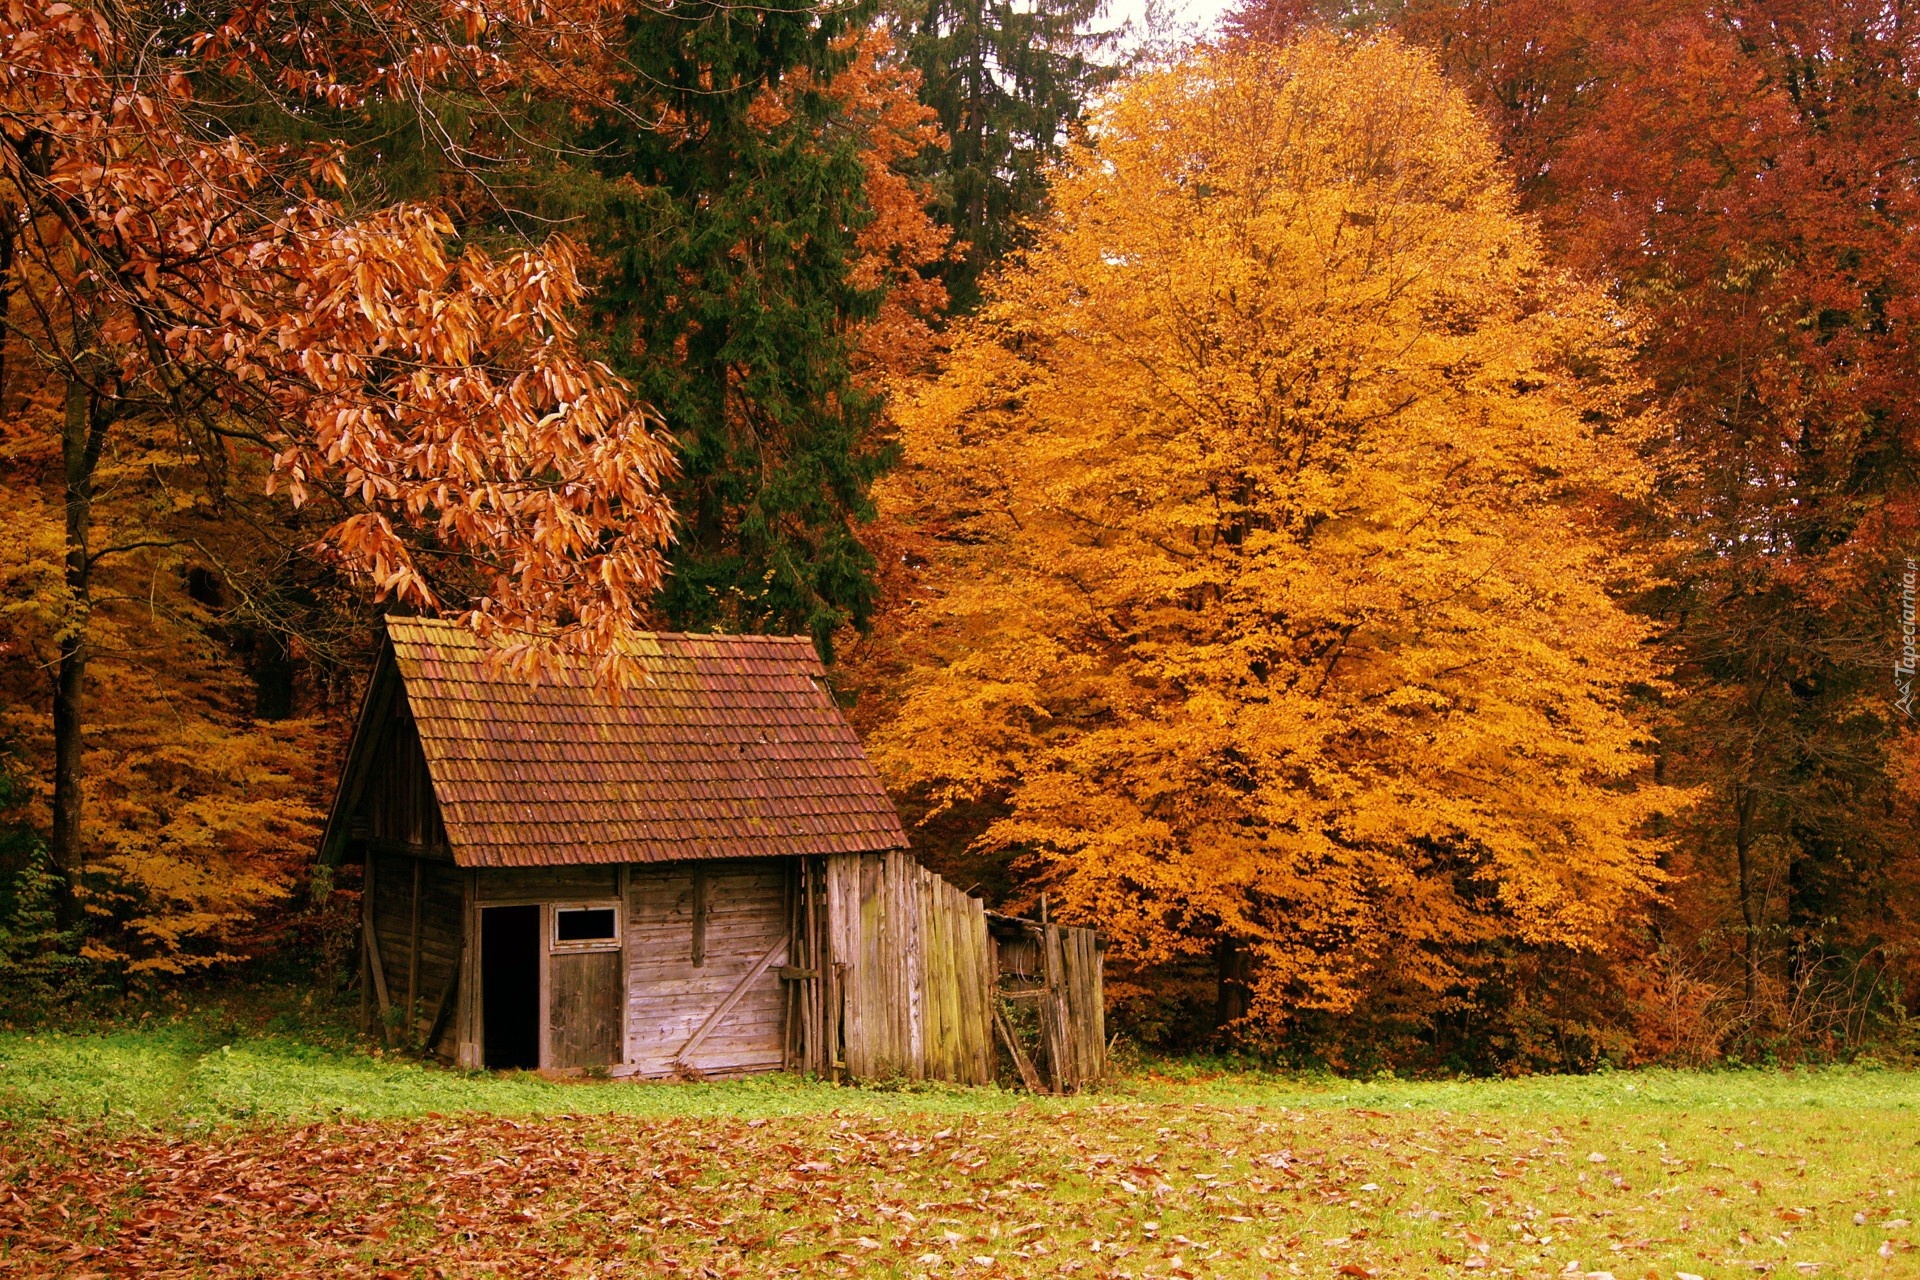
(729, 746)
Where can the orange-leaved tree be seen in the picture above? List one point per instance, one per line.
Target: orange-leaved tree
(901, 248)
(197, 301)
(1269, 502)
(1741, 174)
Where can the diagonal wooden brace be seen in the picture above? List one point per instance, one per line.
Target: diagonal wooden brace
(699, 1037)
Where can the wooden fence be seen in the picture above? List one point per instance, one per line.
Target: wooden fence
(1055, 970)
(914, 971)
(894, 973)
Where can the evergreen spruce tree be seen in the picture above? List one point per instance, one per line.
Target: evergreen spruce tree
(1009, 81)
(732, 206)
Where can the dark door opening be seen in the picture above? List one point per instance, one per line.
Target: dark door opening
(510, 985)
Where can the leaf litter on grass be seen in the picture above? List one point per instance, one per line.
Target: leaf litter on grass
(1128, 1190)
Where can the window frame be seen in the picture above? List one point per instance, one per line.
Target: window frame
(556, 946)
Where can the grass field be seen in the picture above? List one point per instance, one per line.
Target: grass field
(186, 1149)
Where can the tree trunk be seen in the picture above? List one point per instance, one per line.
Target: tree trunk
(8, 241)
(273, 673)
(80, 442)
(1744, 802)
(1235, 969)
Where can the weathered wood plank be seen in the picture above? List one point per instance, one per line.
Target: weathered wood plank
(932, 987)
(548, 884)
(468, 1054)
(1053, 1020)
(980, 1014)
(413, 950)
(699, 917)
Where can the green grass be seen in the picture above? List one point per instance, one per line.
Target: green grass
(222, 1145)
(177, 1077)
(190, 1073)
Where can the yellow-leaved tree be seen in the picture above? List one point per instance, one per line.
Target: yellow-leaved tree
(1266, 505)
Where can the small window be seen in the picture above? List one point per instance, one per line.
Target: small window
(586, 928)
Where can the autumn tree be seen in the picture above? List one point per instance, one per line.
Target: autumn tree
(1743, 175)
(200, 303)
(1271, 585)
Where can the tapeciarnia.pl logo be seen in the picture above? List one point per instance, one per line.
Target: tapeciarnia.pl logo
(1903, 666)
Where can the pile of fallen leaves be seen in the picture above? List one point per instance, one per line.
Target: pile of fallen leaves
(1121, 1190)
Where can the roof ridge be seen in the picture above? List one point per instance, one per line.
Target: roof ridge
(448, 624)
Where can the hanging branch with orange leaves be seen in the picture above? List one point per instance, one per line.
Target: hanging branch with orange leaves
(437, 395)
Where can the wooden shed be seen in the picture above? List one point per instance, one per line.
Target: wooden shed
(702, 877)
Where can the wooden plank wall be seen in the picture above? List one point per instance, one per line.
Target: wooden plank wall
(810, 985)
(959, 984)
(501, 885)
(669, 997)
(437, 919)
(397, 802)
(909, 953)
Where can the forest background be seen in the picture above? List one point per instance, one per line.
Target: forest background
(1439, 608)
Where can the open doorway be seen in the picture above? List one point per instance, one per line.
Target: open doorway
(510, 986)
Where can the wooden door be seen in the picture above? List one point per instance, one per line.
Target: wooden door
(585, 983)
(583, 1009)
